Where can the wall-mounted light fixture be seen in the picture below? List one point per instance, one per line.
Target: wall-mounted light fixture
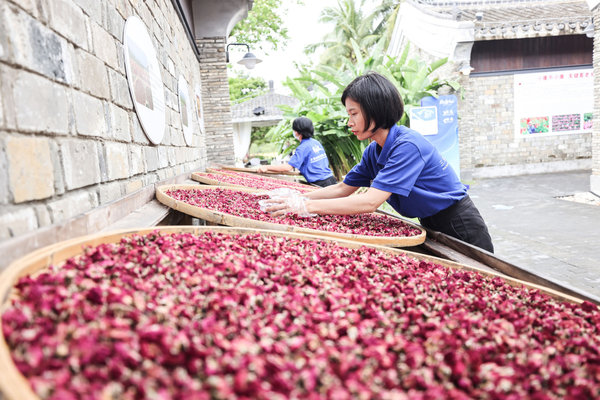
(589, 30)
(465, 69)
(249, 60)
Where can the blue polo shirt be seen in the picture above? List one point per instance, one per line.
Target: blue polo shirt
(310, 159)
(421, 181)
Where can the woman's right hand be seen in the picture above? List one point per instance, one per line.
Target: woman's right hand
(262, 169)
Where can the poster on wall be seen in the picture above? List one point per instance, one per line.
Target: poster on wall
(553, 102)
(144, 79)
(445, 135)
(185, 110)
(198, 106)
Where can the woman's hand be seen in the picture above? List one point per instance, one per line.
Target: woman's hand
(262, 169)
(278, 207)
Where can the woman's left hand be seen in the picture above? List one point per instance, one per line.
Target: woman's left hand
(278, 207)
(289, 205)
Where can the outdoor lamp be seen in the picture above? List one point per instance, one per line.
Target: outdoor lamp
(589, 30)
(249, 60)
(465, 69)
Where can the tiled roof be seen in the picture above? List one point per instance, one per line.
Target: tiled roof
(265, 106)
(498, 19)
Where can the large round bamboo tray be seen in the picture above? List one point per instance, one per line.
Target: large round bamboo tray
(15, 386)
(220, 218)
(203, 178)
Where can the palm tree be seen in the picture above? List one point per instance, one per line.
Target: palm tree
(352, 25)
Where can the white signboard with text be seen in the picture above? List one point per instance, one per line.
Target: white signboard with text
(553, 102)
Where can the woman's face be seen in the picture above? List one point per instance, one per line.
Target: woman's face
(356, 120)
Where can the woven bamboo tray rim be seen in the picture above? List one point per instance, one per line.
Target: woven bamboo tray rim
(221, 218)
(15, 386)
(200, 177)
(253, 170)
(196, 176)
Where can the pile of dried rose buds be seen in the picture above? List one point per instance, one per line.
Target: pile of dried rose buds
(265, 178)
(245, 205)
(216, 316)
(257, 182)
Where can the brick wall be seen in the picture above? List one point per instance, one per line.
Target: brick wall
(70, 140)
(488, 144)
(219, 129)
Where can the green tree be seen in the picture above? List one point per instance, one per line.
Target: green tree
(263, 28)
(244, 87)
(352, 25)
(322, 104)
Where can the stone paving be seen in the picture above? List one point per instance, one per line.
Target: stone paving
(533, 228)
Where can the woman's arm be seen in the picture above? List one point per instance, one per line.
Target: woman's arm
(361, 203)
(358, 204)
(274, 168)
(332, 192)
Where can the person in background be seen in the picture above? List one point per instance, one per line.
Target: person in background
(309, 158)
(399, 166)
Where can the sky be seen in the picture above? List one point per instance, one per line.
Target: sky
(303, 29)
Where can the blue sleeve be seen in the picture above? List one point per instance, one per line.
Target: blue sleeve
(401, 170)
(298, 158)
(361, 174)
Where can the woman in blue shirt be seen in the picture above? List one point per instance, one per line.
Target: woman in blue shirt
(309, 158)
(399, 166)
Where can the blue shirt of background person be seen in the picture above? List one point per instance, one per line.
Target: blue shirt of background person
(310, 158)
(420, 180)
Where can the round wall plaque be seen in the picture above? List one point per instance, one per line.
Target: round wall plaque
(145, 82)
(185, 109)
(199, 110)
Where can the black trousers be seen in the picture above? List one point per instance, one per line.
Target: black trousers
(463, 221)
(326, 182)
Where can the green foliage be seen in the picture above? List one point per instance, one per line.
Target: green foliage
(260, 146)
(258, 135)
(263, 28)
(352, 25)
(322, 104)
(244, 87)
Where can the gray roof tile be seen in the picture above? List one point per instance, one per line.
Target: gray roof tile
(509, 18)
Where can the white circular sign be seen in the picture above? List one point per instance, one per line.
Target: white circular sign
(199, 110)
(185, 109)
(145, 82)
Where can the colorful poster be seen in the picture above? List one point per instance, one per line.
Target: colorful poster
(553, 102)
(446, 138)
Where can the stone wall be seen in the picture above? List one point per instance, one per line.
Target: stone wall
(217, 106)
(70, 140)
(488, 145)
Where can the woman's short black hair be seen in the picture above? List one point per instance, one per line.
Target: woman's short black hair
(303, 126)
(379, 100)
